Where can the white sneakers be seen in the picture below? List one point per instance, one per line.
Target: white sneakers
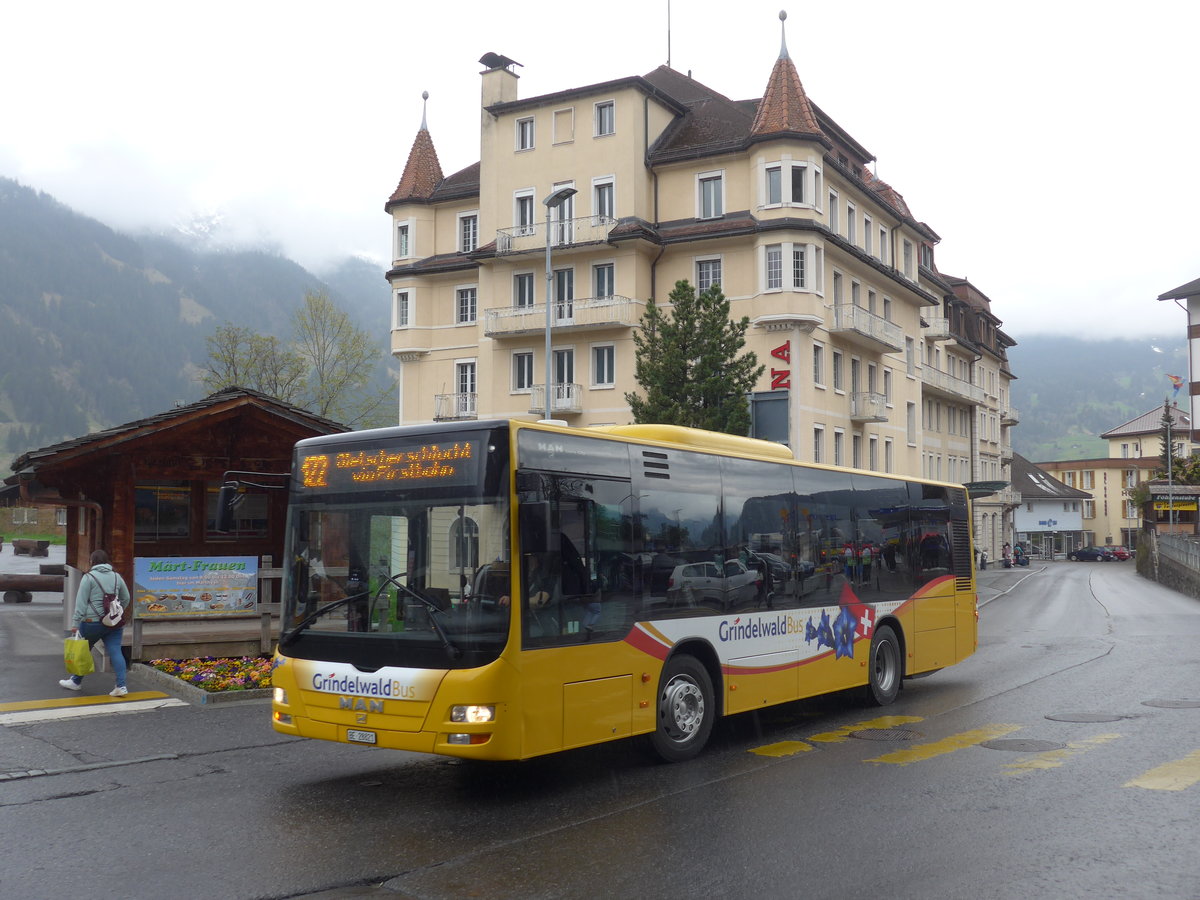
(70, 685)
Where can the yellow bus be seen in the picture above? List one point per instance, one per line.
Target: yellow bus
(505, 589)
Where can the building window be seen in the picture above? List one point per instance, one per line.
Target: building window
(402, 243)
(908, 259)
(603, 197)
(818, 365)
(867, 229)
(162, 511)
(856, 450)
(774, 185)
(887, 386)
(883, 244)
(837, 371)
(1130, 510)
(851, 223)
(606, 120)
(839, 438)
(523, 214)
(910, 424)
(603, 280)
(400, 309)
(465, 308)
(525, 133)
(464, 543)
(523, 290)
(837, 287)
(708, 273)
(564, 366)
(774, 267)
(1089, 480)
(468, 232)
(889, 456)
(60, 517)
(799, 275)
(464, 377)
(604, 365)
(711, 200)
(798, 173)
(818, 443)
(910, 355)
(834, 223)
(1089, 509)
(873, 453)
(564, 295)
(522, 372)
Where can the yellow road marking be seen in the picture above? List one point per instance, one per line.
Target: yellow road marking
(945, 745)
(783, 748)
(833, 737)
(1173, 776)
(1052, 759)
(66, 702)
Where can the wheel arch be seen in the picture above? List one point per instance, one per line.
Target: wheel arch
(702, 651)
(897, 629)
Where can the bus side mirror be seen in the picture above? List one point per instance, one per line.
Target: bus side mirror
(533, 520)
(227, 499)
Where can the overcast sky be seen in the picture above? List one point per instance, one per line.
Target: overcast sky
(1051, 144)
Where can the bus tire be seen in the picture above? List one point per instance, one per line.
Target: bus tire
(685, 710)
(884, 668)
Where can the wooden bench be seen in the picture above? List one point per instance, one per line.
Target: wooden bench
(20, 588)
(26, 547)
(187, 636)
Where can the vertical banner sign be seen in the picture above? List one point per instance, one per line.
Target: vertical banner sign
(781, 379)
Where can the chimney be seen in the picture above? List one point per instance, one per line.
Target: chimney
(499, 79)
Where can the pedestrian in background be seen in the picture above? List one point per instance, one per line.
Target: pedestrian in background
(89, 610)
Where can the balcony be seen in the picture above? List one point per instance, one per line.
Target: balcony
(1009, 416)
(453, 407)
(564, 233)
(947, 385)
(936, 328)
(591, 314)
(564, 398)
(867, 330)
(868, 406)
(1006, 452)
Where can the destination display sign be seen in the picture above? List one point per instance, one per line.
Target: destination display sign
(369, 468)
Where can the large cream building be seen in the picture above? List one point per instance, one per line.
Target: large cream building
(872, 358)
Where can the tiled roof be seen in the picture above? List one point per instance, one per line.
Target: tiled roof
(422, 172)
(784, 106)
(1150, 423)
(1033, 483)
(222, 400)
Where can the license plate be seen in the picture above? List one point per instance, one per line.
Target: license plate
(361, 737)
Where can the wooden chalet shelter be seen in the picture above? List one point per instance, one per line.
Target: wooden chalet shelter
(149, 488)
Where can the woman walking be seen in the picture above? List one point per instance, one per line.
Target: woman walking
(89, 610)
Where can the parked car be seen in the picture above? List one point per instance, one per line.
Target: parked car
(1119, 553)
(1091, 554)
(704, 583)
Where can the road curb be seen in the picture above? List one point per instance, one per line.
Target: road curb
(1015, 584)
(193, 694)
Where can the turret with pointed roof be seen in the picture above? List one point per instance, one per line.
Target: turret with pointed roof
(422, 172)
(784, 107)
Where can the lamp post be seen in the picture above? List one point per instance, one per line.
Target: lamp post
(554, 201)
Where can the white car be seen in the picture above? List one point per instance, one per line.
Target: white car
(705, 584)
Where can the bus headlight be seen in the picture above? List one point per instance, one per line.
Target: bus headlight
(473, 714)
(281, 696)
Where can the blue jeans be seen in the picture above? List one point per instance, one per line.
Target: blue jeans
(111, 637)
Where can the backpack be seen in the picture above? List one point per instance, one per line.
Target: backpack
(114, 610)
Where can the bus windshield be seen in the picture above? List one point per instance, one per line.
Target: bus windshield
(404, 568)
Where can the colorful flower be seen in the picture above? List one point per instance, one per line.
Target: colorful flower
(219, 674)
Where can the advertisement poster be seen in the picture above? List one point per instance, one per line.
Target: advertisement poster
(211, 585)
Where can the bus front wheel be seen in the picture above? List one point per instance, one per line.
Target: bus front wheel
(884, 668)
(685, 710)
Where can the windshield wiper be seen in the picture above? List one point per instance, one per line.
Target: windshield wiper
(312, 617)
(452, 651)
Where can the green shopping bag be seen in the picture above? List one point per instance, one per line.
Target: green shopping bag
(78, 656)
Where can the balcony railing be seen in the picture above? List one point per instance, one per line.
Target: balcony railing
(448, 407)
(872, 331)
(868, 406)
(936, 327)
(592, 313)
(564, 398)
(1010, 416)
(1006, 451)
(948, 384)
(564, 233)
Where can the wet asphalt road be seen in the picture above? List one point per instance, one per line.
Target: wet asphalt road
(1062, 760)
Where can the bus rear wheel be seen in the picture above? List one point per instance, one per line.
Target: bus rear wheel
(685, 710)
(884, 667)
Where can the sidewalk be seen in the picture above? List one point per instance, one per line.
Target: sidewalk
(995, 580)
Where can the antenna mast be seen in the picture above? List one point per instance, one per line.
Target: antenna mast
(668, 34)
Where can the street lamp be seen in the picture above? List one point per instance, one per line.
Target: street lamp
(554, 201)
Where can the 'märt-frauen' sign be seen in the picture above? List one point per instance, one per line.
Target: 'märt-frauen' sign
(166, 586)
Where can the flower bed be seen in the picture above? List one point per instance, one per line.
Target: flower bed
(247, 673)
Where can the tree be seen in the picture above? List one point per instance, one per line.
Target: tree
(326, 369)
(688, 366)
